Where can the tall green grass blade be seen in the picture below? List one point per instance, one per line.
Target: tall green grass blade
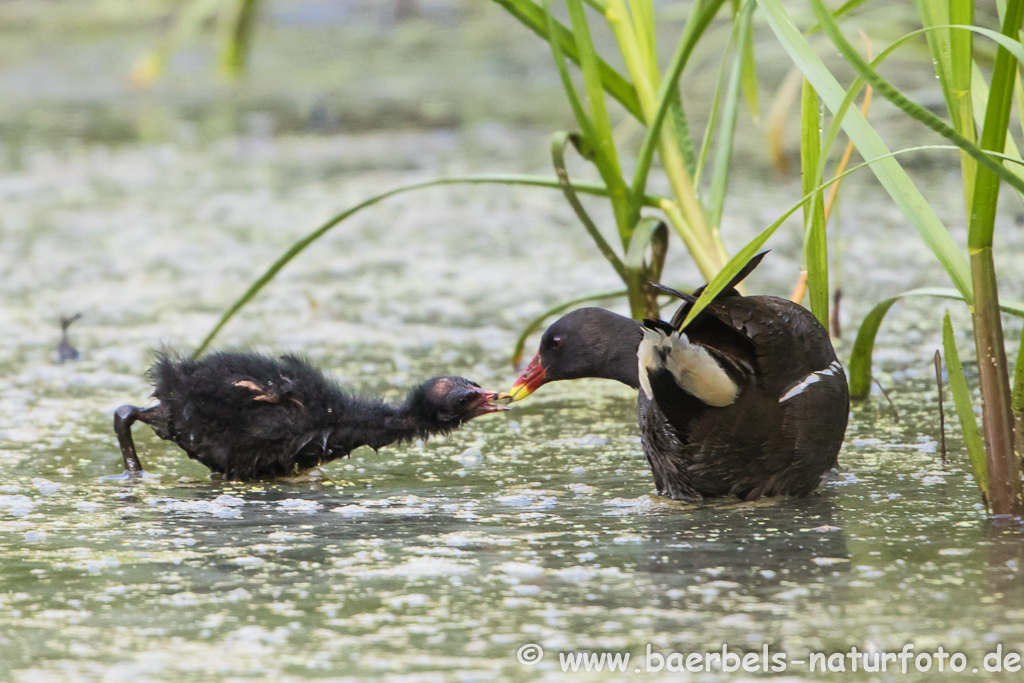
(1018, 92)
(644, 25)
(951, 54)
(863, 346)
(914, 110)
(300, 245)
(1017, 401)
(889, 173)
(961, 62)
(727, 128)
(624, 205)
(979, 90)
(976, 81)
(743, 256)
(979, 98)
(1006, 491)
(534, 325)
(964, 409)
(637, 59)
(558, 144)
(815, 238)
(594, 86)
(735, 265)
(240, 25)
(531, 15)
(1017, 398)
(993, 135)
(692, 32)
(683, 134)
(750, 75)
(713, 113)
(843, 9)
(676, 110)
(935, 14)
(578, 110)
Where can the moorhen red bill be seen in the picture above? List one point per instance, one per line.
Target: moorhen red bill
(246, 415)
(749, 401)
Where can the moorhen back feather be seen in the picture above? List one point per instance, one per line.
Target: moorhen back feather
(246, 415)
(749, 401)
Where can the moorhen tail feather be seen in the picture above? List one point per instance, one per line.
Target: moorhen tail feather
(749, 400)
(728, 291)
(246, 415)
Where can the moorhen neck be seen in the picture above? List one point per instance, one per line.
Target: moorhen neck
(749, 400)
(246, 415)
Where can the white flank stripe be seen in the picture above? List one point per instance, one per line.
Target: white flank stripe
(799, 388)
(832, 370)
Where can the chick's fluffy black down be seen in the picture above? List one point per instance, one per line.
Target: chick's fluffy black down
(246, 415)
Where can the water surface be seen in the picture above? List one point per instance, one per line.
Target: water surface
(437, 560)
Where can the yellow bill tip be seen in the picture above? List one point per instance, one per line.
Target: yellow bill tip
(519, 392)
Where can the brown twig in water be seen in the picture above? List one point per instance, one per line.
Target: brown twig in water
(833, 319)
(895, 414)
(942, 412)
(65, 351)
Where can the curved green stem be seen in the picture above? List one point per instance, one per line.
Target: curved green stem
(300, 245)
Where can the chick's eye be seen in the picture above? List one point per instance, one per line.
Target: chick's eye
(554, 342)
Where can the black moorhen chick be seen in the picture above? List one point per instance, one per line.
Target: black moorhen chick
(246, 415)
(750, 400)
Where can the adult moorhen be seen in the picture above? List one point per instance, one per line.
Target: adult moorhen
(750, 400)
(246, 415)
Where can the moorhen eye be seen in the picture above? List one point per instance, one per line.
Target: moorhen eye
(749, 400)
(246, 416)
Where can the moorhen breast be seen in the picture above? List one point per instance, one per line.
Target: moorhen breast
(246, 415)
(749, 401)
